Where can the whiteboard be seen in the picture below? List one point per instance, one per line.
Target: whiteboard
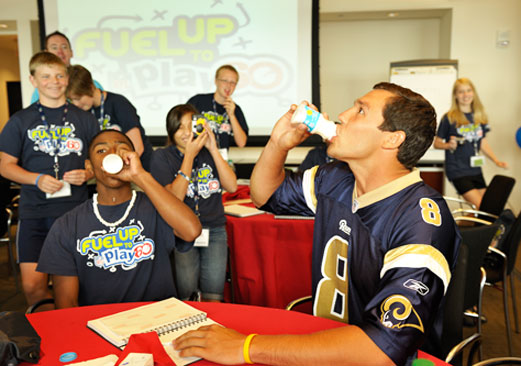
(433, 79)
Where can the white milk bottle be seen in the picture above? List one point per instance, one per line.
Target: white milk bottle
(112, 163)
(315, 121)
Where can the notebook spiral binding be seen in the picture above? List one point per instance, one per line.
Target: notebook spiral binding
(172, 327)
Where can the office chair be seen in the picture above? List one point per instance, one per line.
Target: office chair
(499, 264)
(452, 342)
(500, 361)
(493, 202)
(32, 309)
(476, 240)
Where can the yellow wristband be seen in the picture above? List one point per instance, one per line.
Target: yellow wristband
(246, 348)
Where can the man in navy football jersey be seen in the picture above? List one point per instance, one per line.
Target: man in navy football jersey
(384, 242)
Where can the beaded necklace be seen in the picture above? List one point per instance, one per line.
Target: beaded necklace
(125, 215)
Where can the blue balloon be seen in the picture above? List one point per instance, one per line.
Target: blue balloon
(518, 137)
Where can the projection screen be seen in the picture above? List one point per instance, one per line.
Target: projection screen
(160, 53)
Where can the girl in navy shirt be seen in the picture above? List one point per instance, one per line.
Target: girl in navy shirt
(461, 134)
(193, 169)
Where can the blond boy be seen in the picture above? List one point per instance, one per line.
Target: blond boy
(44, 148)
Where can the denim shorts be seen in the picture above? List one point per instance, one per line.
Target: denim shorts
(30, 235)
(203, 268)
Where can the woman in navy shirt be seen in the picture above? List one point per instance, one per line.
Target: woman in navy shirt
(462, 134)
(193, 169)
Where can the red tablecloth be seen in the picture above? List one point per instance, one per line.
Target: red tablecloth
(66, 331)
(270, 259)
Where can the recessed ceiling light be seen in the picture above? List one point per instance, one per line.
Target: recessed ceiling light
(392, 15)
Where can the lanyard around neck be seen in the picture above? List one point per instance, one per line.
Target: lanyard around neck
(42, 114)
(55, 142)
(214, 104)
(101, 118)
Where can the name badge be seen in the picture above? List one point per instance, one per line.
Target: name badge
(65, 191)
(203, 239)
(477, 161)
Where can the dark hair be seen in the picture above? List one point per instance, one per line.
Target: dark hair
(91, 143)
(411, 113)
(80, 82)
(45, 58)
(56, 33)
(173, 119)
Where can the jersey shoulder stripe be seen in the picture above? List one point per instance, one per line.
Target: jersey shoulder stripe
(308, 188)
(418, 256)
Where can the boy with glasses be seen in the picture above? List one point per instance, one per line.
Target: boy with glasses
(225, 117)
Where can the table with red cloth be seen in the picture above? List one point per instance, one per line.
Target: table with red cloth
(66, 330)
(270, 259)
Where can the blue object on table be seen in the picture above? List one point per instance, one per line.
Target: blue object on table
(68, 357)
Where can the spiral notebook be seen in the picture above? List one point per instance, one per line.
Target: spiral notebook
(168, 318)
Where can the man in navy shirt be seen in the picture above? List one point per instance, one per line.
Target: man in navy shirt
(58, 44)
(224, 116)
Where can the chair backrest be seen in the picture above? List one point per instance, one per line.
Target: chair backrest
(476, 239)
(496, 195)
(512, 243)
(453, 310)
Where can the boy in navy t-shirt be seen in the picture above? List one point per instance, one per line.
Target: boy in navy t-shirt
(44, 149)
(224, 116)
(112, 110)
(115, 247)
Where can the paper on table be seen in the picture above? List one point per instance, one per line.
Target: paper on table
(241, 211)
(109, 360)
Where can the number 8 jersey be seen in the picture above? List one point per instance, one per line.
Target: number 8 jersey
(381, 261)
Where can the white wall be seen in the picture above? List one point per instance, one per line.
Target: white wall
(355, 55)
(494, 71)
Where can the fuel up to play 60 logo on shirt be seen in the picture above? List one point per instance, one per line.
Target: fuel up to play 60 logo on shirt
(124, 247)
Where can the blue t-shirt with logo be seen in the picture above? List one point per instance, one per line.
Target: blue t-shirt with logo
(125, 263)
(218, 118)
(33, 142)
(457, 162)
(205, 188)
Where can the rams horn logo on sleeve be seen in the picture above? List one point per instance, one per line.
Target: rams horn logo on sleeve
(398, 312)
